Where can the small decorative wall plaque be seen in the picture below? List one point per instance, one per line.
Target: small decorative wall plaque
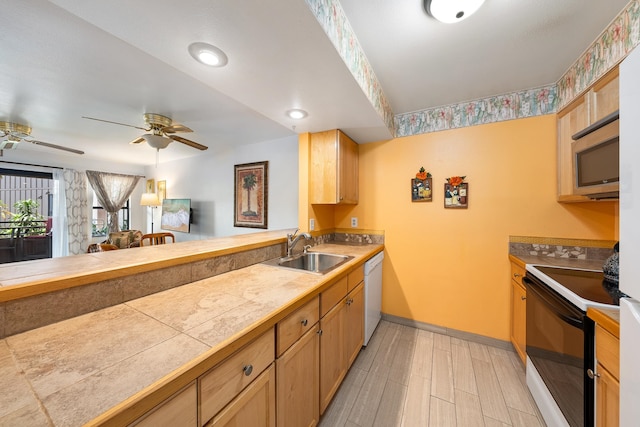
(421, 187)
(456, 193)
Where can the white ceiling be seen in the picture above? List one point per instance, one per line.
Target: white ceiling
(64, 59)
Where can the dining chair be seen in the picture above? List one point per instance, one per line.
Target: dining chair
(157, 239)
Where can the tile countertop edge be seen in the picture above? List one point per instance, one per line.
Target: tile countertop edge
(608, 319)
(149, 397)
(219, 247)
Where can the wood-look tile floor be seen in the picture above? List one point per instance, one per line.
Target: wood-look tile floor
(411, 377)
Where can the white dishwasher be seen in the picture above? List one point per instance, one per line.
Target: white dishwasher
(372, 294)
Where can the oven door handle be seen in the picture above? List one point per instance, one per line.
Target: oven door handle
(552, 304)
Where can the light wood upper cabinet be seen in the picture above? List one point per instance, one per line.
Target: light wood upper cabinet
(600, 100)
(518, 311)
(333, 172)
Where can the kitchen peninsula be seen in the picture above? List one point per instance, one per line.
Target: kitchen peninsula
(112, 365)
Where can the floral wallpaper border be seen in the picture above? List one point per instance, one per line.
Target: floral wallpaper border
(613, 44)
(335, 24)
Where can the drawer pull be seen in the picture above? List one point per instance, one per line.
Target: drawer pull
(304, 322)
(248, 369)
(592, 374)
(349, 301)
(523, 298)
(516, 275)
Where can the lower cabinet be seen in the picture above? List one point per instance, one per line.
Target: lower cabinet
(285, 377)
(298, 372)
(222, 386)
(180, 410)
(255, 405)
(342, 336)
(607, 379)
(518, 311)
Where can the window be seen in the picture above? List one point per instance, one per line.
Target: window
(99, 226)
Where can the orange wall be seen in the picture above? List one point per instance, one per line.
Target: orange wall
(449, 267)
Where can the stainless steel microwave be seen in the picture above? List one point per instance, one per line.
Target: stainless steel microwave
(596, 159)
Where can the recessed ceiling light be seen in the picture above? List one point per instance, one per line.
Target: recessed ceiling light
(450, 11)
(297, 114)
(208, 54)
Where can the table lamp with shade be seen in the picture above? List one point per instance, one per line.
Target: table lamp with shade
(150, 199)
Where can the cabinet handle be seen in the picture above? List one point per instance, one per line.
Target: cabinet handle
(516, 275)
(523, 298)
(304, 322)
(248, 369)
(319, 332)
(592, 374)
(349, 301)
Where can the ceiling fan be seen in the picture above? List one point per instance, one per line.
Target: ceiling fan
(162, 129)
(12, 134)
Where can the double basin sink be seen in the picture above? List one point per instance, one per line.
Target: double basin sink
(311, 262)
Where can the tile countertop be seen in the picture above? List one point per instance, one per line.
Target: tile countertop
(71, 372)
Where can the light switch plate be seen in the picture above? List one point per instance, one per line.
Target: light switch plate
(312, 224)
(354, 221)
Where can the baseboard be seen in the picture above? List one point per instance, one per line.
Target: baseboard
(481, 339)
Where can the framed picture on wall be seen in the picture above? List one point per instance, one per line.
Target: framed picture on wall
(250, 195)
(162, 190)
(151, 186)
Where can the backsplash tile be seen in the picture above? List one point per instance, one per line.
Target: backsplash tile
(560, 248)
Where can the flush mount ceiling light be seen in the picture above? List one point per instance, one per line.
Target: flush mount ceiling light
(450, 11)
(208, 54)
(297, 114)
(156, 141)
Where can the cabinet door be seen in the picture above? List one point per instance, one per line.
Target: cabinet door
(571, 120)
(605, 96)
(181, 410)
(297, 373)
(607, 399)
(348, 170)
(255, 406)
(333, 366)
(354, 324)
(519, 319)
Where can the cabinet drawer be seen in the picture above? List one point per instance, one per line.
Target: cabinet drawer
(180, 410)
(355, 277)
(333, 295)
(608, 351)
(295, 325)
(225, 381)
(517, 273)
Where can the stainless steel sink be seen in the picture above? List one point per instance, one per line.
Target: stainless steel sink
(312, 262)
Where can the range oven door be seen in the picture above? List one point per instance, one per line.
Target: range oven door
(560, 346)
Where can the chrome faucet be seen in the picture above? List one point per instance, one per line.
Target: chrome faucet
(292, 240)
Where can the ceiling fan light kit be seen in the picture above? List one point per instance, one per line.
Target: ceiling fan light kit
(451, 11)
(161, 130)
(208, 54)
(16, 133)
(156, 141)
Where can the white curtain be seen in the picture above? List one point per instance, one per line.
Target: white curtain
(112, 191)
(70, 213)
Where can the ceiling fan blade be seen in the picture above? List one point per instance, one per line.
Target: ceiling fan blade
(137, 140)
(188, 142)
(116, 123)
(176, 128)
(57, 147)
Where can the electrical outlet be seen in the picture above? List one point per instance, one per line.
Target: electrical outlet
(354, 221)
(312, 224)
